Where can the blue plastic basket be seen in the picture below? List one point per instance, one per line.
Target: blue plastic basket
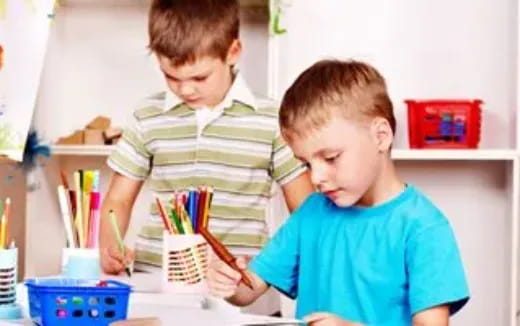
(57, 301)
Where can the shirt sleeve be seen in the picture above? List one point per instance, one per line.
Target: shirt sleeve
(284, 166)
(434, 266)
(130, 156)
(278, 263)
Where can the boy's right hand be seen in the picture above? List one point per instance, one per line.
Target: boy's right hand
(113, 262)
(223, 281)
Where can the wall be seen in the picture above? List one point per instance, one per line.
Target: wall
(425, 49)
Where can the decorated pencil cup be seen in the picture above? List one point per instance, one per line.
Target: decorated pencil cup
(81, 263)
(185, 263)
(9, 309)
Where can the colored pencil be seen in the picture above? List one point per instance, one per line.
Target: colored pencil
(225, 256)
(65, 214)
(166, 220)
(119, 239)
(3, 224)
(78, 221)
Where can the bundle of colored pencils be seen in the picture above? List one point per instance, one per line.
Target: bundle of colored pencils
(5, 213)
(189, 214)
(80, 208)
(186, 212)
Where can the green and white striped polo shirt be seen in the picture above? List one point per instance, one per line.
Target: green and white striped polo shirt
(239, 154)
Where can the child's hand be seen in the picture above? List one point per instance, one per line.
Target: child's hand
(222, 280)
(112, 261)
(326, 319)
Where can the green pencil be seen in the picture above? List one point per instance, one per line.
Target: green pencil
(177, 221)
(119, 240)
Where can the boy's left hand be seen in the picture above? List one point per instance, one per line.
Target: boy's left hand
(327, 319)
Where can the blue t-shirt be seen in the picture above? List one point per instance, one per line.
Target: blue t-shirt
(377, 265)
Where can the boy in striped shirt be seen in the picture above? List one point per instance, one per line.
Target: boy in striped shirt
(207, 130)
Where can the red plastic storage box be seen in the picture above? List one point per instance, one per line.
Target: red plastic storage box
(444, 123)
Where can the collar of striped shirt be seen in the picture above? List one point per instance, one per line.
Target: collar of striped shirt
(238, 92)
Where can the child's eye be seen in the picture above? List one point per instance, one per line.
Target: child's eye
(200, 79)
(332, 159)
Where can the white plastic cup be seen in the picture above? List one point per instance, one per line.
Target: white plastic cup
(185, 263)
(81, 263)
(8, 275)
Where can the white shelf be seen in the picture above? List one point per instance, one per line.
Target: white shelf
(454, 154)
(397, 154)
(81, 150)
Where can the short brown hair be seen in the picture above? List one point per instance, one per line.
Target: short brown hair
(352, 88)
(185, 30)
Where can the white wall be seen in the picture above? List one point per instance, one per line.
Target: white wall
(425, 49)
(98, 63)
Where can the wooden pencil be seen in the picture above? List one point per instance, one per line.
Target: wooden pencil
(166, 220)
(225, 255)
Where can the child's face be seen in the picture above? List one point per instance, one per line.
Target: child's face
(345, 157)
(203, 83)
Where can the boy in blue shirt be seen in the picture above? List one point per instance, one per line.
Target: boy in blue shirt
(366, 249)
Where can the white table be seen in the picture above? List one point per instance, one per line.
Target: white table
(172, 309)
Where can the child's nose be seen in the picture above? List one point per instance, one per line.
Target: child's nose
(187, 90)
(317, 176)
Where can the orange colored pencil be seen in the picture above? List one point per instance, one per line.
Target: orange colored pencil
(166, 220)
(3, 224)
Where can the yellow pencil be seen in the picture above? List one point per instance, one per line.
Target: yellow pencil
(186, 221)
(3, 225)
(79, 210)
(88, 178)
(207, 199)
(119, 239)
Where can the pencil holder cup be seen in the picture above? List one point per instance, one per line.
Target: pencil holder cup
(185, 263)
(81, 263)
(8, 278)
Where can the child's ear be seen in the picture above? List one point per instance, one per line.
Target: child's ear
(382, 133)
(235, 49)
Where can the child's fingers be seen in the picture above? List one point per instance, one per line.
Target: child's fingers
(241, 263)
(129, 256)
(221, 268)
(115, 253)
(221, 291)
(221, 285)
(109, 264)
(224, 278)
(215, 276)
(112, 260)
(113, 267)
(317, 316)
